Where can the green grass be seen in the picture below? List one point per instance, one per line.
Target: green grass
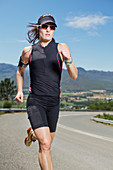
(67, 94)
(66, 103)
(105, 116)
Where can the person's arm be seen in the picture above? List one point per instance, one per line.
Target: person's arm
(66, 57)
(20, 80)
(20, 73)
(72, 70)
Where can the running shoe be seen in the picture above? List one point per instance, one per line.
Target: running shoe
(28, 139)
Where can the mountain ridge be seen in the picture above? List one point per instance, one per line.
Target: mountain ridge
(87, 79)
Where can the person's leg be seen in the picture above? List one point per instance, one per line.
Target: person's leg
(44, 137)
(35, 138)
(52, 136)
(47, 118)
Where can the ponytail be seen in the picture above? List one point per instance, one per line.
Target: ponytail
(33, 34)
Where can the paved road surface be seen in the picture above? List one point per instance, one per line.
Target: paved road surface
(79, 144)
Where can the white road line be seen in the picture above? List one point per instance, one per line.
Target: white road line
(85, 133)
(73, 114)
(82, 132)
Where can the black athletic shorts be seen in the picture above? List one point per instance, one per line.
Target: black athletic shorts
(43, 111)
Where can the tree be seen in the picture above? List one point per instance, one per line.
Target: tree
(7, 89)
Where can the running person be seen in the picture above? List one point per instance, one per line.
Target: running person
(45, 59)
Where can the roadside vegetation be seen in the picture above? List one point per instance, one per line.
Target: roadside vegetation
(108, 119)
(105, 116)
(101, 106)
(8, 91)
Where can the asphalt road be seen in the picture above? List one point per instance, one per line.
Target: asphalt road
(79, 143)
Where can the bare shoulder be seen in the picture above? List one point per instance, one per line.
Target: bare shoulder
(26, 51)
(62, 46)
(25, 54)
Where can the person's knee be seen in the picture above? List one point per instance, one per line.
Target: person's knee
(45, 145)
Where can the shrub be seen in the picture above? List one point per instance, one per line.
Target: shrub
(105, 116)
(7, 104)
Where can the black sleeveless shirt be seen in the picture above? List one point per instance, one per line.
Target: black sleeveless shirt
(45, 66)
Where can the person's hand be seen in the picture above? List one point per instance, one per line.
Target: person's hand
(19, 97)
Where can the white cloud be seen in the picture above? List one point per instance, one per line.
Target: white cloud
(87, 22)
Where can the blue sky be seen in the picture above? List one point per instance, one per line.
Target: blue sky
(86, 26)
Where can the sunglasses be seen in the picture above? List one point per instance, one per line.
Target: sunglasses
(44, 27)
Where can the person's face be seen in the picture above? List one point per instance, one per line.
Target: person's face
(46, 32)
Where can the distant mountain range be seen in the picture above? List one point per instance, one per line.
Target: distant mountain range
(87, 80)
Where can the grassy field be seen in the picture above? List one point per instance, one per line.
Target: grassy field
(80, 99)
(84, 99)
